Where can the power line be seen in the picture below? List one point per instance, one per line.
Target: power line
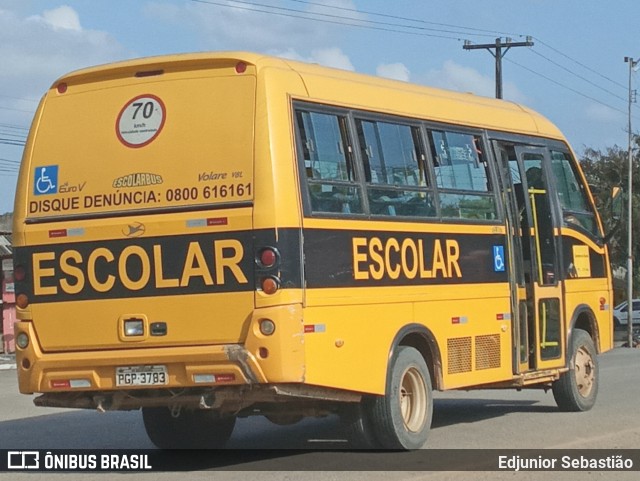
(18, 110)
(9, 161)
(402, 28)
(578, 76)
(565, 86)
(580, 63)
(14, 126)
(362, 24)
(19, 98)
(370, 24)
(487, 33)
(13, 134)
(12, 142)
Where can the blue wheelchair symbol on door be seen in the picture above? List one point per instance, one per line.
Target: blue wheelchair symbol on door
(498, 258)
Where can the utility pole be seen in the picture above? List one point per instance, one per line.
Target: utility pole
(632, 66)
(498, 54)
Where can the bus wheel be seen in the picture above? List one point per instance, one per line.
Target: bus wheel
(189, 430)
(402, 418)
(357, 425)
(576, 390)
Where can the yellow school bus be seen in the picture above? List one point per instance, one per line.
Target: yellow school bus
(218, 235)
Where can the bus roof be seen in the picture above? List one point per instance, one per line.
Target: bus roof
(344, 88)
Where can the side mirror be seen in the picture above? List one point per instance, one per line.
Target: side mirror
(617, 208)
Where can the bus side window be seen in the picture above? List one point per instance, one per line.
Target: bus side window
(393, 164)
(576, 209)
(325, 155)
(462, 176)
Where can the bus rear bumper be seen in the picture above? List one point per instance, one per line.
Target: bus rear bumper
(257, 359)
(97, 370)
(232, 399)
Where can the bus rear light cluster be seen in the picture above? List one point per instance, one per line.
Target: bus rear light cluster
(270, 285)
(22, 301)
(19, 273)
(268, 257)
(267, 261)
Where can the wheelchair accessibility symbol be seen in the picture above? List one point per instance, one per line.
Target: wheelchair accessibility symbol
(498, 258)
(46, 180)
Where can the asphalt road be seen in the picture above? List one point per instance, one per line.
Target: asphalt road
(462, 420)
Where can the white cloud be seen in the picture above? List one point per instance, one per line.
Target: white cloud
(332, 57)
(249, 27)
(453, 76)
(395, 71)
(38, 49)
(61, 18)
(329, 57)
(35, 51)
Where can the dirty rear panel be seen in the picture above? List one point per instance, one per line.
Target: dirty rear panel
(138, 205)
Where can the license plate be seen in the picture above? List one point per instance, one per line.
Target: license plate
(141, 376)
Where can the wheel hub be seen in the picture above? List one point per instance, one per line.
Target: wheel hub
(584, 372)
(413, 400)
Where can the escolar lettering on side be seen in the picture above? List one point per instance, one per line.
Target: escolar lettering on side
(375, 258)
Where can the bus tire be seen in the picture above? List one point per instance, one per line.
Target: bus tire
(189, 430)
(358, 427)
(402, 417)
(577, 389)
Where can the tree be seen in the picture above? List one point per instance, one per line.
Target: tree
(604, 171)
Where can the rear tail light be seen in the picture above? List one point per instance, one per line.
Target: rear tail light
(22, 301)
(268, 257)
(270, 285)
(19, 273)
(267, 262)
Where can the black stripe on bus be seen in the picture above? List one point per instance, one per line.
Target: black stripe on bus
(350, 258)
(226, 262)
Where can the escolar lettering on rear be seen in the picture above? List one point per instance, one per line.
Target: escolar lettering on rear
(185, 264)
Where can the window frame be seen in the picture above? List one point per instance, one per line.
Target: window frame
(417, 137)
(491, 168)
(305, 182)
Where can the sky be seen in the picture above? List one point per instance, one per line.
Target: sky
(574, 74)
